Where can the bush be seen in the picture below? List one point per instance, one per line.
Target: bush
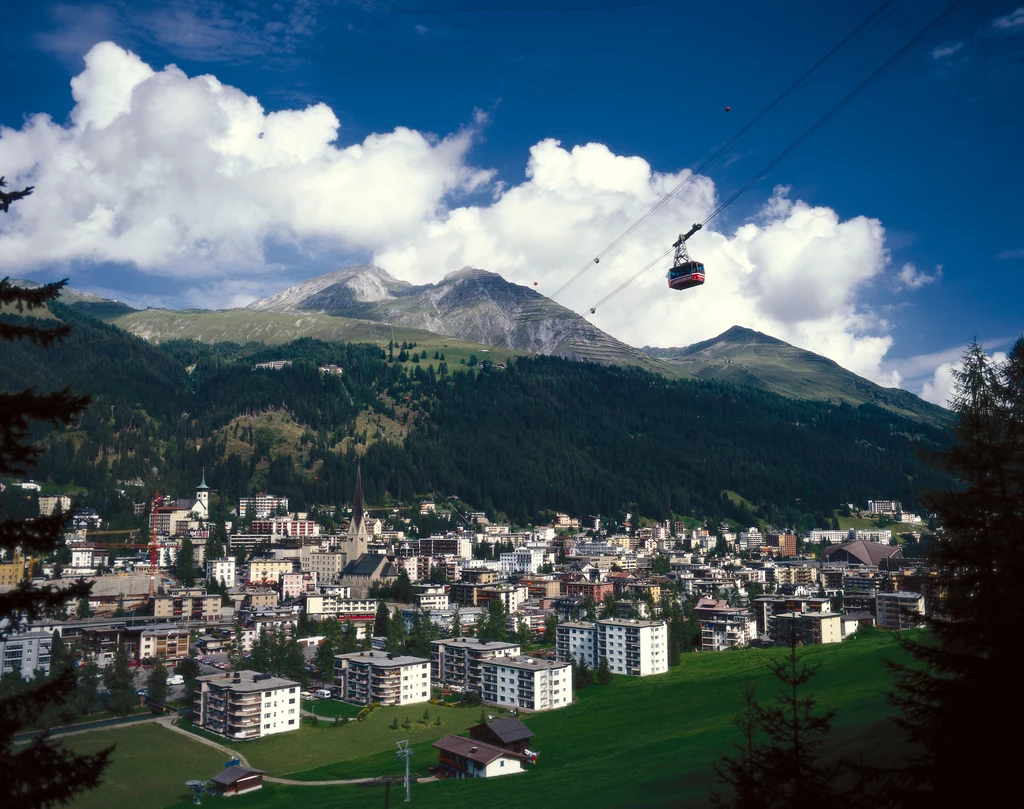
(394, 724)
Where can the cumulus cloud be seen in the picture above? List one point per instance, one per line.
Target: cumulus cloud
(909, 277)
(1014, 21)
(940, 388)
(192, 179)
(944, 51)
(189, 176)
(1010, 254)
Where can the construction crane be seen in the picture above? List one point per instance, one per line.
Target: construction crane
(153, 546)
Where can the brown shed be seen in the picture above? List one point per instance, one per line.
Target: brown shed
(238, 781)
(509, 734)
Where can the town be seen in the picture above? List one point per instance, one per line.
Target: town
(252, 634)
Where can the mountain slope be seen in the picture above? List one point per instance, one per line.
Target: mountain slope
(746, 357)
(470, 304)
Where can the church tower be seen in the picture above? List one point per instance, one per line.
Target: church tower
(357, 535)
(203, 498)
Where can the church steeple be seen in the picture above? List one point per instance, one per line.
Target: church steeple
(357, 498)
(202, 484)
(357, 533)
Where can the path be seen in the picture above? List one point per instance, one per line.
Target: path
(89, 727)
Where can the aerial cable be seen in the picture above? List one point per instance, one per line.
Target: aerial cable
(883, 68)
(699, 169)
(472, 9)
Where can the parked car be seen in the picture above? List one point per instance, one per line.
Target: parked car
(142, 692)
(176, 679)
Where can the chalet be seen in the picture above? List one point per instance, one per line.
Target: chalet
(237, 780)
(459, 757)
(509, 734)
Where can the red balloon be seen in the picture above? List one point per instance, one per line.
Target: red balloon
(535, 283)
(727, 109)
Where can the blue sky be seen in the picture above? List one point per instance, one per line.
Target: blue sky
(440, 134)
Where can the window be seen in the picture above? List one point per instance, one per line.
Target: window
(291, 721)
(291, 701)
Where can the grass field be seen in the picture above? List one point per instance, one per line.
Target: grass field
(330, 707)
(647, 742)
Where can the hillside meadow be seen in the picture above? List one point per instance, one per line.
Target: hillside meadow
(651, 741)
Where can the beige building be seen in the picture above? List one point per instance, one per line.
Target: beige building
(246, 705)
(899, 610)
(48, 504)
(808, 628)
(267, 571)
(189, 604)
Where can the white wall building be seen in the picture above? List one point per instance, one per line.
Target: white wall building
(751, 539)
(523, 559)
(898, 610)
(319, 607)
(431, 597)
(260, 506)
(221, 570)
(246, 705)
(382, 677)
(25, 653)
(459, 661)
(527, 683)
(634, 647)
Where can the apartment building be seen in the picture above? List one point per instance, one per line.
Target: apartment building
(631, 646)
(328, 565)
(766, 608)
(459, 661)
(459, 545)
(382, 677)
(808, 628)
(286, 527)
(782, 544)
(246, 705)
(168, 642)
(49, 503)
(295, 584)
(899, 610)
(527, 683)
(189, 604)
(431, 596)
(25, 654)
(221, 570)
(260, 506)
(319, 607)
(267, 571)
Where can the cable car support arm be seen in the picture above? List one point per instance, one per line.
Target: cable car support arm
(682, 256)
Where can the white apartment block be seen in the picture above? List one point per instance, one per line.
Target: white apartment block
(382, 677)
(261, 506)
(633, 647)
(268, 571)
(523, 560)
(246, 705)
(25, 654)
(727, 631)
(898, 610)
(459, 661)
(287, 527)
(884, 506)
(527, 683)
(751, 539)
(881, 536)
(221, 570)
(319, 607)
(831, 536)
(431, 597)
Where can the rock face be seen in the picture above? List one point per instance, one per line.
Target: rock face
(470, 304)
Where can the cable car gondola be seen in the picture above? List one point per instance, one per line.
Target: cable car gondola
(685, 272)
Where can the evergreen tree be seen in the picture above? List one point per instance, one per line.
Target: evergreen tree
(120, 683)
(185, 563)
(550, 628)
(42, 773)
(604, 672)
(496, 626)
(782, 772)
(581, 674)
(324, 659)
(87, 693)
(455, 630)
(523, 634)
(609, 609)
(189, 669)
(156, 682)
(349, 638)
(380, 623)
(953, 692)
(396, 634)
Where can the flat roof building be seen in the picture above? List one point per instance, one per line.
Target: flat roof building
(382, 677)
(246, 704)
(527, 683)
(459, 661)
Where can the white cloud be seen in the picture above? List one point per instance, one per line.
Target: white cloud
(1010, 254)
(191, 179)
(943, 51)
(1010, 22)
(939, 389)
(909, 277)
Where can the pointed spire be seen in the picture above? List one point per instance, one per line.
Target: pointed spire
(357, 500)
(202, 484)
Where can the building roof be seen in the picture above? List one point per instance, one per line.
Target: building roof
(232, 775)
(371, 565)
(248, 681)
(527, 663)
(475, 643)
(627, 622)
(376, 657)
(474, 750)
(509, 730)
(860, 550)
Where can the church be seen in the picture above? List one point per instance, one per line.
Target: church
(362, 569)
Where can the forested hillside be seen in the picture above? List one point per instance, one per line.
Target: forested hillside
(540, 434)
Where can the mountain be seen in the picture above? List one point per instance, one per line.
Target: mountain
(746, 357)
(470, 304)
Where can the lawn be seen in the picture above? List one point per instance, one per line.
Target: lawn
(149, 768)
(331, 708)
(655, 737)
(313, 747)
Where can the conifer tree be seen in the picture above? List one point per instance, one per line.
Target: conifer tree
(156, 683)
(120, 683)
(956, 698)
(42, 773)
(604, 672)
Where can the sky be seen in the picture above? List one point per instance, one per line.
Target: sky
(205, 154)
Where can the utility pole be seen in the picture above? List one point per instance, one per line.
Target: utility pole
(404, 751)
